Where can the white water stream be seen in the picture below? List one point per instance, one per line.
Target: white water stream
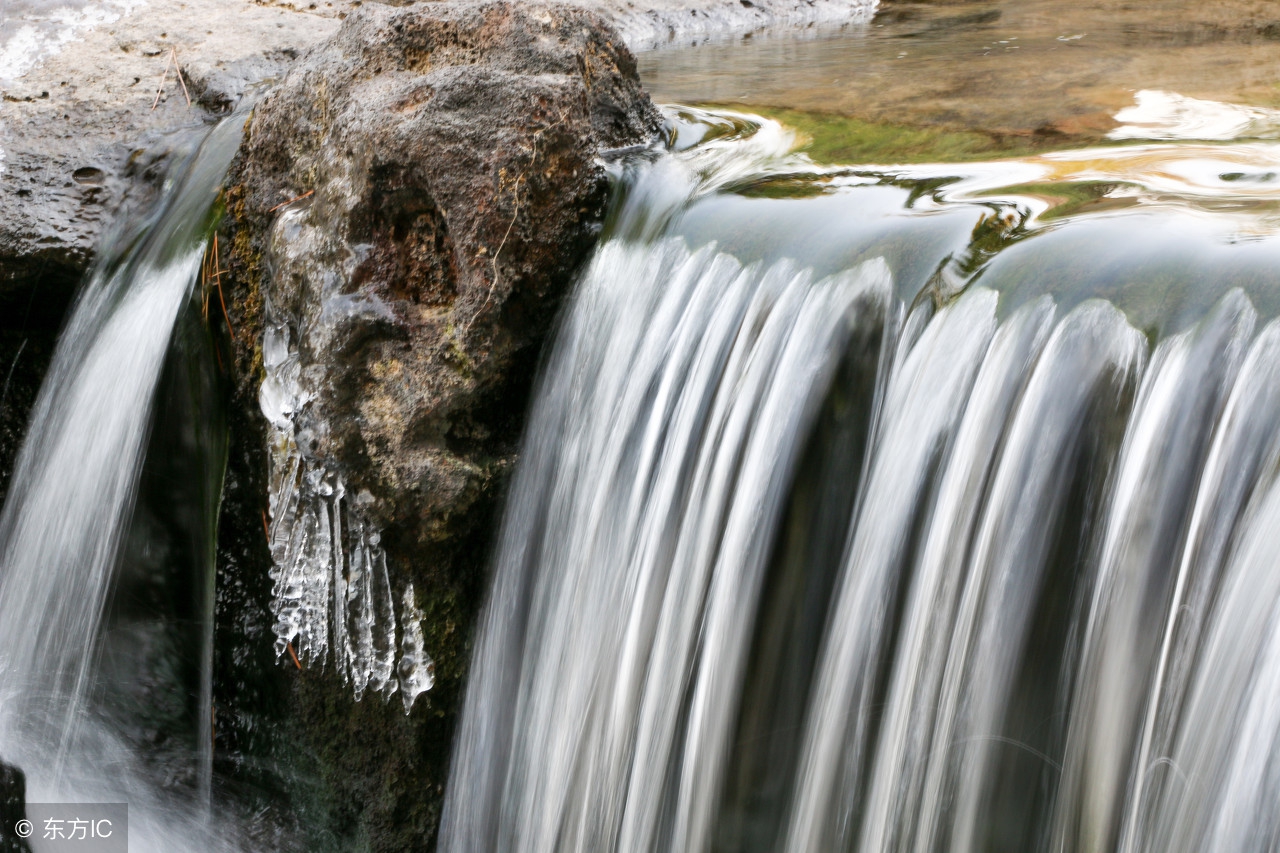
(68, 510)
(1052, 623)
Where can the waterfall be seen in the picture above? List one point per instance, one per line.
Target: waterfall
(795, 559)
(64, 528)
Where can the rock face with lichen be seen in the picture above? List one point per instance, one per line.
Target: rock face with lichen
(406, 214)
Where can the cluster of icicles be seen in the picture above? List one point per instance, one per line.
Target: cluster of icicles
(332, 592)
(788, 566)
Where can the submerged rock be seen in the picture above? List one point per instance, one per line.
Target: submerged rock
(405, 217)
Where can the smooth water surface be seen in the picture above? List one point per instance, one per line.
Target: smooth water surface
(1035, 70)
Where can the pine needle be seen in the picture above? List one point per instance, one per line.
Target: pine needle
(177, 69)
(172, 61)
(163, 77)
(290, 201)
(217, 278)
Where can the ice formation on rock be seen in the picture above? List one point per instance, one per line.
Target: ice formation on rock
(332, 592)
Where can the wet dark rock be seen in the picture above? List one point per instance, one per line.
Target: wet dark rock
(411, 203)
(26, 348)
(13, 808)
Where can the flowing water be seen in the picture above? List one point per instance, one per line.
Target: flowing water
(106, 594)
(916, 508)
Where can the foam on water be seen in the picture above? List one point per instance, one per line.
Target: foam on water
(1168, 115)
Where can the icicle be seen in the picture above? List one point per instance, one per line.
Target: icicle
(417, 672)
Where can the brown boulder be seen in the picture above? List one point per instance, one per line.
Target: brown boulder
(405, 216)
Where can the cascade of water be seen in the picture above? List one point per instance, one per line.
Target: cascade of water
(923, 403)
(1027, 539)
(929, 612)
(1205, 770)
(701, 426)
(74, 488)
(1228, 738)
(788, 566)
(1244, 455)
(1162, 455)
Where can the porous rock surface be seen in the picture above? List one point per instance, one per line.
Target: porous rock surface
(85, 126)
(450, 151)
(411, 203)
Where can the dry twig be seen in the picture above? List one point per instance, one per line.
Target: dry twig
(204, 285)
(515, 215)
(172, 61)
(217, 279)
(290, 201)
